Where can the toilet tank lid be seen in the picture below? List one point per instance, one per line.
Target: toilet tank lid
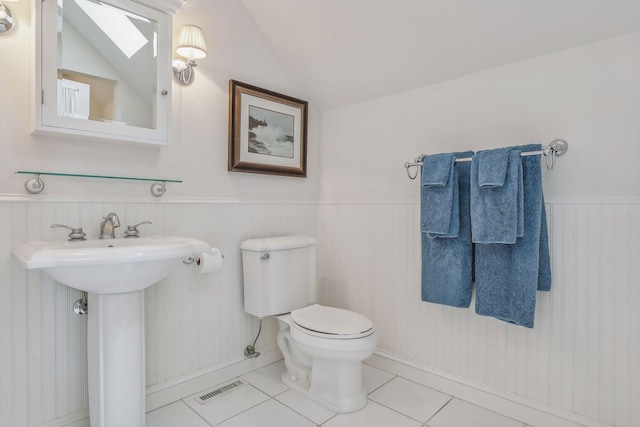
(277, 243)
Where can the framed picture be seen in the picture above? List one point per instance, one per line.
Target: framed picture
(267, 131)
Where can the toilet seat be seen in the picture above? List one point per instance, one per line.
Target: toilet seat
(331, 322)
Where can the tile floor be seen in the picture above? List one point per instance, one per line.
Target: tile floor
(263, 400)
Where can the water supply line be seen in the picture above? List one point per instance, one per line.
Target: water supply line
(81, 306)
(250, 350)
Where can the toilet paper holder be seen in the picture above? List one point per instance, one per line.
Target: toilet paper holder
(191, 259)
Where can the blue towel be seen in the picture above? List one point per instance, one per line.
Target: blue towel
(508, 275)
(544, 272)
(496, 196)
(439, 209)
(491, 167)
(447, 263)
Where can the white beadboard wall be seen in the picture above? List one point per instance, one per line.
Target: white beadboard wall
(582, 356)
(193, 321)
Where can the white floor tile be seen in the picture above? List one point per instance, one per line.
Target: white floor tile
(409, 398)
(305, 406)
(372, 415)
(176, 414)
(267, 379)
(462, 414)
(228, 405)
(393, 401)
(268, 414)
(372, 378)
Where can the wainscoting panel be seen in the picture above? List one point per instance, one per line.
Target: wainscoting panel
(193, 321)
(582, 356)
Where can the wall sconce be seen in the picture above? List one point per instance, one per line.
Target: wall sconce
(7, 18)
(191, 46)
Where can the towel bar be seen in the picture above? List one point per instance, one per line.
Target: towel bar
(556, 148)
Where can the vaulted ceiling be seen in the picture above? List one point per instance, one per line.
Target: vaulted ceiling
(346, 51)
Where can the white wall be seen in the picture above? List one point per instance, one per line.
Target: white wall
(193, 323)
(198, 154)
(583, 355)
(588, 96)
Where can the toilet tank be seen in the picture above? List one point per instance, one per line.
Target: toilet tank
(279, 274)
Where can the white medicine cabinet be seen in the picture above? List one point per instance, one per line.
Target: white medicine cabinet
(103, 70)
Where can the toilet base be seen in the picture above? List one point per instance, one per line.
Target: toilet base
(303, 386)
(326, 370)
(333, 382)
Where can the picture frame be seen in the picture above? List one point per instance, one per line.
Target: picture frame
(267, 131)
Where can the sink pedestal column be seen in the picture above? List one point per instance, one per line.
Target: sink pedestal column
(115, 352)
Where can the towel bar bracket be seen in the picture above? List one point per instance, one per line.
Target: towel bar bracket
(556, 148)
(559, 147)
(416, 162)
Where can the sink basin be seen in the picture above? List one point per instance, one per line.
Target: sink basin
(108, 266)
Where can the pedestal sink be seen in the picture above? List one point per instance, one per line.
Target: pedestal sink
(114, 272)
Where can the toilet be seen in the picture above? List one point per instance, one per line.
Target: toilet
(323, 347)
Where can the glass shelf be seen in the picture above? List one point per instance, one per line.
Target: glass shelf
(36, 185)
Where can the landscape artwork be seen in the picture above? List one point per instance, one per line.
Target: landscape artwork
(267, 132)
(270, 132)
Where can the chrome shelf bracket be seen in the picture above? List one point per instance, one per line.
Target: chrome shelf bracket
(34, 185)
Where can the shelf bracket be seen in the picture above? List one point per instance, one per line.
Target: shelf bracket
(158, 189)
(34, 185)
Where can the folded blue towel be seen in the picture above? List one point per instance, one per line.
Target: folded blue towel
(492, 167)
(492, 173)
(508, 275)
(496, 196)
(436, 169)
(447, 263)
(439, 208)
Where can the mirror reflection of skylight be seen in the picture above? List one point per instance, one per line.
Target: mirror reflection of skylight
(116, 24)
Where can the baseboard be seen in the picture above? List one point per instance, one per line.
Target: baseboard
(178, 388)
(77, 419)
(512, 405)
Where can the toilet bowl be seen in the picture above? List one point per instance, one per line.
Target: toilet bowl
(323, 347)
(323, 350)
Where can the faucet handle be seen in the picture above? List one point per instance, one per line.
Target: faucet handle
(132, 230)
(76, 232)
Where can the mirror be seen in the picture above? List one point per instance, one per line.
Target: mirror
(105, 70)
(107, 62)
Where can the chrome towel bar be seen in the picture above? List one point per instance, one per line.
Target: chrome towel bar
(556, 148)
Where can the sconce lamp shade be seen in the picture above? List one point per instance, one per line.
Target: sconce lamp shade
(191, 43)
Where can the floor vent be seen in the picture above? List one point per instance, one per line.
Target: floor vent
(218, 392)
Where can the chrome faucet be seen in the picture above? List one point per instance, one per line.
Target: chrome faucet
(110, 222)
